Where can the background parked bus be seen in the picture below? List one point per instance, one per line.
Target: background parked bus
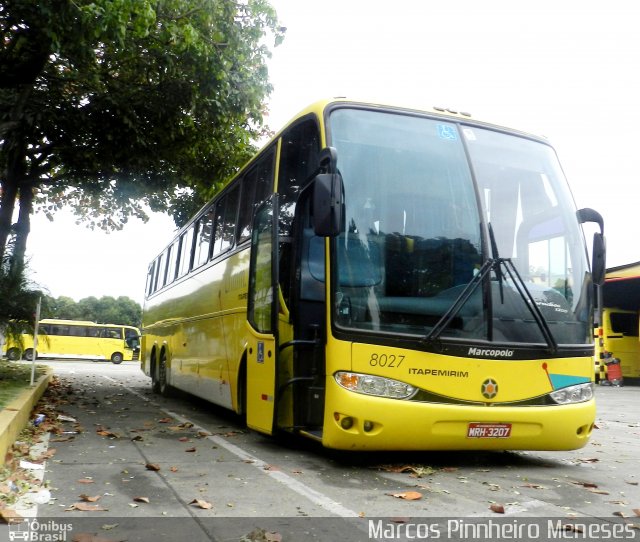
(385, 278)
(75, 339)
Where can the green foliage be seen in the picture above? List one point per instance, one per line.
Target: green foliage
(18, 301)
(106, 310)
(114, 107)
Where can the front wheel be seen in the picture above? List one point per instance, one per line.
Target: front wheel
(117, 358)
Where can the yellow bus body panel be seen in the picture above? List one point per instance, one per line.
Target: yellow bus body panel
(624, 347)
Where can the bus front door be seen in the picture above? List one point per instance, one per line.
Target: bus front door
(262, 319)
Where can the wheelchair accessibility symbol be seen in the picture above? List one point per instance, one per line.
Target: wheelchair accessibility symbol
(447, 132)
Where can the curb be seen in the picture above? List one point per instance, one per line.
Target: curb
(15, 416)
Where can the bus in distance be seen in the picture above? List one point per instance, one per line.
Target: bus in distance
(384, 278)
(77, 339)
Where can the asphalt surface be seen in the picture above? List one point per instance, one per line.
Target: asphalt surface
(129, 465)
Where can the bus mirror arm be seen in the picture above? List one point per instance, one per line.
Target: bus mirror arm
(599, 252)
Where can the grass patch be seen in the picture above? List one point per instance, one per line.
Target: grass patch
(14, 378)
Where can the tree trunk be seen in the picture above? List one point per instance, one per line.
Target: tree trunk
(7, 205)
(23, 227)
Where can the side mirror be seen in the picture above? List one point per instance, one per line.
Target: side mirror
(598, 255)
(328, 204)
(599, 252)
(328, 191)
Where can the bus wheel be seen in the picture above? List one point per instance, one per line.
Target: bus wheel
(117, 358)
(28, 354)
(163, 386)
(155, 383)
(13, 354)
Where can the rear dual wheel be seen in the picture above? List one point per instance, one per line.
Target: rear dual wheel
(159, 383)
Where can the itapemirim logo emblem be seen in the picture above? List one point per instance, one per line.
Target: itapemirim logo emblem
(32, 530)
(489, 388)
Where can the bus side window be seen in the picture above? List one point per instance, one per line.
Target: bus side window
(256, 185)
(172, 259)
(226, 211)
(150, 274)
(299, 157)
(161, 268)
(186, 252)
(203, 241)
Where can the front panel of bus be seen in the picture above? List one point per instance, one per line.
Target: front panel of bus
(459, 295)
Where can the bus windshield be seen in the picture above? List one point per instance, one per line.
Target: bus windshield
(428, 201)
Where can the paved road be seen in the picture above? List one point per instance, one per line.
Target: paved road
(181, 467)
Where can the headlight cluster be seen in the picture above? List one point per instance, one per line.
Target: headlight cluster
(375, 385)
(573, 394)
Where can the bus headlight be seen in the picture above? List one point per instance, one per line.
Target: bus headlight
(375, 385)
(573, 394)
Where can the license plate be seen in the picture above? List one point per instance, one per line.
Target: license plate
(489, 430)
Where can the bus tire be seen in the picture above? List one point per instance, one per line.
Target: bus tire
(28, 354)
(117, 358)
(153, 370)
(13, 354)
(163, 385)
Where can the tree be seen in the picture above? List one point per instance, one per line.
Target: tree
(106, 310)
(115, 107)
(19, 299)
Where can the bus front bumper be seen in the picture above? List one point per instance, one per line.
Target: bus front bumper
(355, 421)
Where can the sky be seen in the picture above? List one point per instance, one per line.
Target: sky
(566, 70)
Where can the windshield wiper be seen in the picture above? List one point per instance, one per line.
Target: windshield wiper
(496, 264)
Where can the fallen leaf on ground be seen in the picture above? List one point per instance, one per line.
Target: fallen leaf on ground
(141, 499)
(190, 449)
(588, 485)
(497, 508)
(165, 420)
(152, 466)
(173, 469)
(85, 481)
(66, 438)
(636, 511)
(87, 498)
(106, 433)
(407, 495)
(201, 504)
(84, 507)
(260, 535)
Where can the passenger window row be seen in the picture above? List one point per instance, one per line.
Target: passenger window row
(221, 225)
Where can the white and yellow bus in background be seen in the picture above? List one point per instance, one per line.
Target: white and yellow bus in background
(381, 278)
(76, 339)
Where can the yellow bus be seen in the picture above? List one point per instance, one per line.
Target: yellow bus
(619, 332)
(76, 339)
(381, 278)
